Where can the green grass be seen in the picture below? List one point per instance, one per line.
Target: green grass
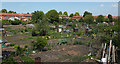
(26, 59)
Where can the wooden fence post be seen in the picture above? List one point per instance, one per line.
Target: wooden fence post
(113, 54)
(109, 51)
(104, 51)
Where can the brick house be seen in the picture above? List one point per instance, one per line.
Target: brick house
(8, 16)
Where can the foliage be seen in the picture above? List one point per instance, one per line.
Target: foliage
(11, 12)
(9, 60)
(116, 41)
(77, 14)
(36, 16)
(110, 17)
(71, 15)
(60, 13)
(78, 58)
(39, 44)
(64, 41)
(5, 22)
(4, 11)
(23, 22)
(100, 18)
(77, 43)
(87, 13)
(16, 22)
(105, 39)
(81, 20)
(53, 16)
(65, 13)
(88, 19)
(106, 20)
(42, 27)
(27, 59)
(1, 25)
(115, 19)
(12, 44)
(19, 51)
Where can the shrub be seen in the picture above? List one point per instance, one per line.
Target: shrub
(64, 41)
(77, 43)
(24, 22)
(39, 44)
(12, 44)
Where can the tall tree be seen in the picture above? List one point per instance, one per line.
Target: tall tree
(89, 19)
(71, 15)
(53, 16)
(65, 13)
(4, 11)
(100, 18)
(37, 15)
(60, 13)
(77, 14)
(87, 13)
(43, 26)
(110, 17)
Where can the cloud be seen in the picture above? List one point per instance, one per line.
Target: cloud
(115, 5)
(102, 5)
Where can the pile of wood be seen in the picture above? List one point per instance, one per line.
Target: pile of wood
(108, 53)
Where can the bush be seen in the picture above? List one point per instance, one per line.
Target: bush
(64, 41)
(39, 44)
(24, 22)
(16, 22)
(77, 43)
(5, 22)
(26, 59)
(105, 39)
(12, 44)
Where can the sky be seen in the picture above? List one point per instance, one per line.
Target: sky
(60, 0)
(96, 8)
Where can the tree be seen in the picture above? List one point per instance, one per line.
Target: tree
(53, 16)
(39, 44)
(100, 18)
(81, 20)
(60, 13)
(43, 26)
(71, 15)
(65, 13)
(89, 19)
(11, 12)
(36, 16)
(4, 11)
(28, 13)
(87, 13)
(77, 14)
(19, 51)
(110, 17)
(106, 20)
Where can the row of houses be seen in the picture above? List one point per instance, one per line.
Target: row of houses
(78, 17)
(13, 16)
(26, 17)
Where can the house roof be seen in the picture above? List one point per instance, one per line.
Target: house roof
(77, 16)
(62, 15)
(14, 14)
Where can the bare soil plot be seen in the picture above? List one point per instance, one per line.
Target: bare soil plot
(57, 53)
